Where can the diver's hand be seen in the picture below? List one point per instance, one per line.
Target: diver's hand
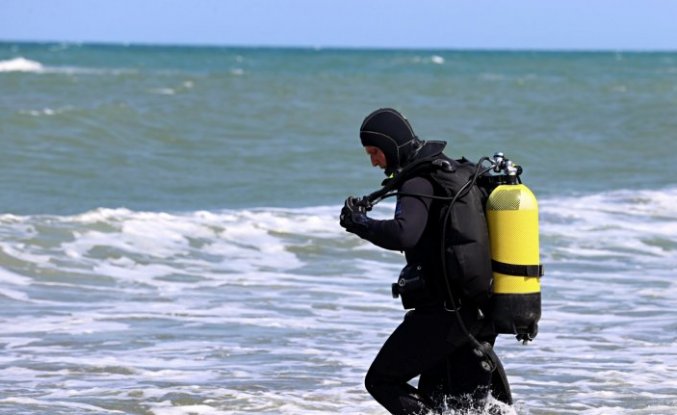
(354, 216)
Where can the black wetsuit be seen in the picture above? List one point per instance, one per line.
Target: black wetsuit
(430, 342)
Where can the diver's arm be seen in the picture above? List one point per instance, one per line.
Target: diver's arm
(411, 215)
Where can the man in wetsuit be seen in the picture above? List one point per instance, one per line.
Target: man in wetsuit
(433, 340)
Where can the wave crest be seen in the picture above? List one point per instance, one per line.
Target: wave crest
(20, 64)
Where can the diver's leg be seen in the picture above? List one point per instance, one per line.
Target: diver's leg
(433, 382)
(463, 378)
(468, 383)
(414, 347)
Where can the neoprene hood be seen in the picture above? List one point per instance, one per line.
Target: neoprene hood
(390, 131)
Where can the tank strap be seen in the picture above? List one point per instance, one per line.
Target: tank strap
(517, 270)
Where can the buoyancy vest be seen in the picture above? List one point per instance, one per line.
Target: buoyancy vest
(465, 254)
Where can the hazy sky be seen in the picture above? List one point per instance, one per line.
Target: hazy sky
(494, 24)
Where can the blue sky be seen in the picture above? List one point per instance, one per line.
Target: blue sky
(466, 24)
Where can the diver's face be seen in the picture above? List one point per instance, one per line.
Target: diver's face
(378, 158)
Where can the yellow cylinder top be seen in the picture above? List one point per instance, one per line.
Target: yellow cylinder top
(512, 197)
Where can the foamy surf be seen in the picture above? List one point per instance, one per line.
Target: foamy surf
(20, 64)
(280, 311)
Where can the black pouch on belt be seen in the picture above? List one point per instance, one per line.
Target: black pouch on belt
(412, 288)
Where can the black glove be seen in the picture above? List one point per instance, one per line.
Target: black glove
(354, 216)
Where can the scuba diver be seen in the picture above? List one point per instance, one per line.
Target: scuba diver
(445, 338)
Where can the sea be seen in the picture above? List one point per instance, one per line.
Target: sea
(169, 237)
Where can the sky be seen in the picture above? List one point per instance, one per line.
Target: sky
(430, 24)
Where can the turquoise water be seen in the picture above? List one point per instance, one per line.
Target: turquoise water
(168, 235)
(180, 129)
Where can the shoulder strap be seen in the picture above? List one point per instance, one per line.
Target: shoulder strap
(417, 168)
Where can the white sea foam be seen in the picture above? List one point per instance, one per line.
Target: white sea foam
(13, 294)
(20, 64)
(72, 406)
(71, 324)
(281, 311)
(47, 111)
(168, 408)
(637, 225)
(163, 91)
(434, 59)
(7, 277)
(11, 342)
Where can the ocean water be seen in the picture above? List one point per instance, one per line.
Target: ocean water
(169, 241)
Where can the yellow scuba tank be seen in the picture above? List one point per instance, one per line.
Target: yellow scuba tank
(512, 219)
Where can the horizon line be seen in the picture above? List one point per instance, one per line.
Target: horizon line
(143, 44)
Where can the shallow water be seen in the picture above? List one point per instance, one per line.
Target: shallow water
(169, 240)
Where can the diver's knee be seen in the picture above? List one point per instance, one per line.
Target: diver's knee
(376, 383)
(370, 382)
